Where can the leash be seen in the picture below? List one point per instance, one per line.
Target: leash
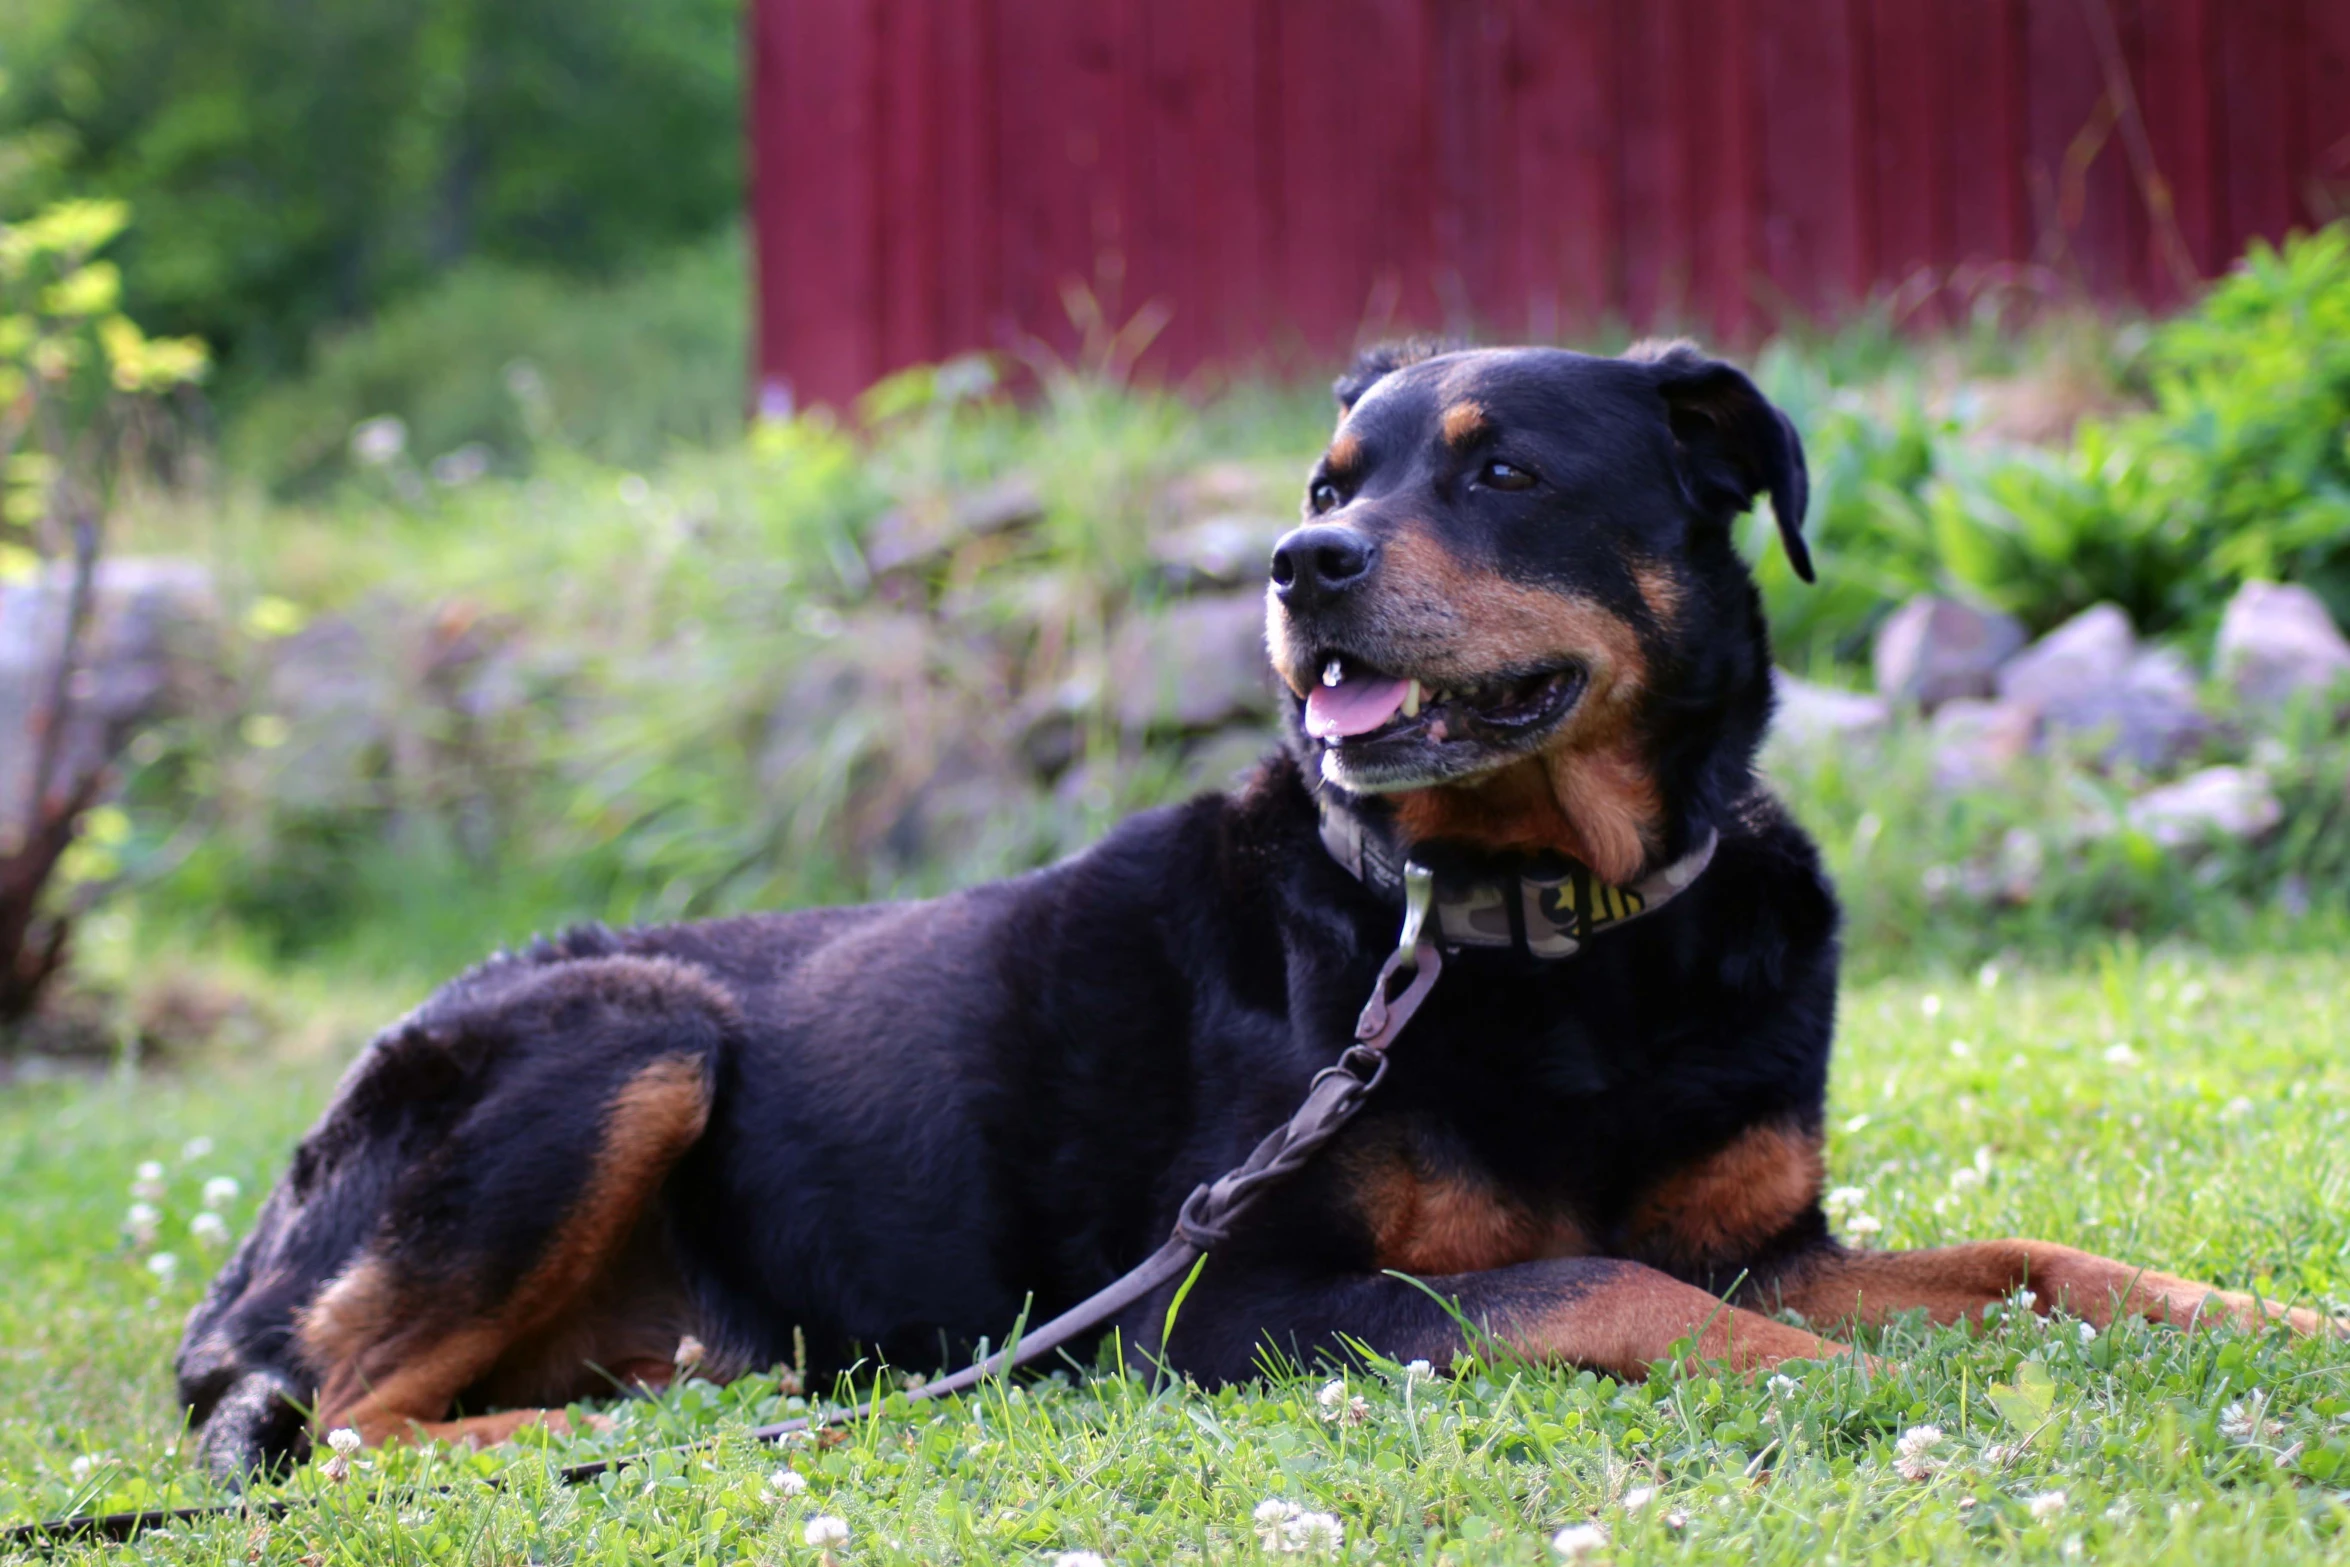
(1203, 1223)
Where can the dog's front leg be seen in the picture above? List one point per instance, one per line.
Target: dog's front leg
(1602, 1313)
(1952, 1282)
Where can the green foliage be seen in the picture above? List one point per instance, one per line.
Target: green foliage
(2240, 469)
(2164, 1108)
(70, 360)
(508, 358)
(297, 165)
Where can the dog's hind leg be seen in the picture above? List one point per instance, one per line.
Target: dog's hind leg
(488, 1226)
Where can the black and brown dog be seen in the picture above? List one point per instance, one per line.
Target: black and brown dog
(1519, 645)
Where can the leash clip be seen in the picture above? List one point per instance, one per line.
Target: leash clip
(1419, 894)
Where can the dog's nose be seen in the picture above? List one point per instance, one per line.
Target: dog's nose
(1320, 562)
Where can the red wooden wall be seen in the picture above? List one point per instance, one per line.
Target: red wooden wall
(1283, 178)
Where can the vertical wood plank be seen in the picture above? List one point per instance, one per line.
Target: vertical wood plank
(1810, 251)
(2254, 149)
(2325, 184)
(1653, 167)
(2176, 96)
(909, 233)
(822, 240)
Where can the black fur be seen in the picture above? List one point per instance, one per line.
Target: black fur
(928, 1115)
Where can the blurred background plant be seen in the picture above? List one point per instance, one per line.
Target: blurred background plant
(79, 387)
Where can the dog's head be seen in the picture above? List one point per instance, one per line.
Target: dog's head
(1514, 611)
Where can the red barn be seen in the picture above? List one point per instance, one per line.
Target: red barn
(1276, 179)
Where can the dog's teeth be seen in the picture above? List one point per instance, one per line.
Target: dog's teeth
(1333, 672)
(1411, 700)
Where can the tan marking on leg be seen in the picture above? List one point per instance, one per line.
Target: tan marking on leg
(1627, 1324)
(1463, 423)
(1429, 1225)
(1953, 1282)
(490, 1430)
(390, 1361)
(1731, 1203)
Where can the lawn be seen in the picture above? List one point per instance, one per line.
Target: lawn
(2166, 1106)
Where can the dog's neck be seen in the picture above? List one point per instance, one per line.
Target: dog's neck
(1545, 905)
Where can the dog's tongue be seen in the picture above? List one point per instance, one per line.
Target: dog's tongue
(1355, 706)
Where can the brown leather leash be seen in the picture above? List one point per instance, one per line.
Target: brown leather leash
(1203, 1223)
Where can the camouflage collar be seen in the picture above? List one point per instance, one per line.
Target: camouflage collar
(1546, 907)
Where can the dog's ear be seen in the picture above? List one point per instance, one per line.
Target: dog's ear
(1383, 359)
(1734, 444)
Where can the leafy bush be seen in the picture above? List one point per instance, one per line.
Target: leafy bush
(2239, 469)
(502, 359)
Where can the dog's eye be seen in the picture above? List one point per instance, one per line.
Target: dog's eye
(1499, 475)
(1323, 497)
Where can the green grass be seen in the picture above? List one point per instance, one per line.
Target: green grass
(2213, 1145)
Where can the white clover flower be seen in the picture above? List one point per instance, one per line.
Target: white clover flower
(89, 1464)
(788, 1482)
(1418, 1371)
(195, 1148)
(688, 1354)
(2120, 1054)
(142, 1221)
(824, 1531)
(2087, 1330)
(1782, 1385)
(1079, 1559)
(1843, 1200)
(2246, 1421)
(148, 1186)
(1288, 1529)
(1863, 1224)
(220, 1191)
(377, 441)
(163, 1265)
(1338, 1407)
(344, 1441)
(1930, 1004)
(209, 1229)
(337, 1468)
(1910, 1460)
(1638, 1497)
(1578, 1540)
(2024, 1300)
(2045, 1505)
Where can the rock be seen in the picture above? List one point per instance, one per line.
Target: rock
(2217, 802)
(1937, 650)
(1270, 487)
(2080, 658)
(1198, 664)
(2276, 641)
(151, 648)
(1805, 715)
(1975, 742)
(1226, 550)
(2089, 678)
(923, 532)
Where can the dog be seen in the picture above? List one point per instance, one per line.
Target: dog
(1514, 643)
